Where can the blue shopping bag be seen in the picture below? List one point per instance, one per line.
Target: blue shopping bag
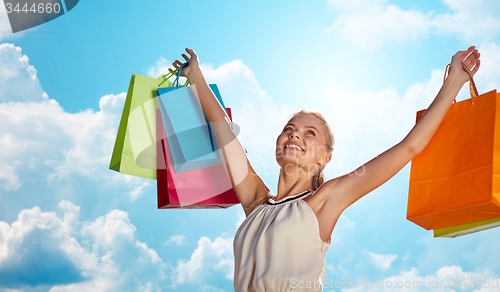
(191, 141)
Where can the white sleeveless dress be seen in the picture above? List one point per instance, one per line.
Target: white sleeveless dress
(278, 248)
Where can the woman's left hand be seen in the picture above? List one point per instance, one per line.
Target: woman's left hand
(470, 58)
(193, 63)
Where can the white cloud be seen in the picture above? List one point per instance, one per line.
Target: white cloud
(178, 240)
(344, 230)
(43, 133)
(44, 248)
(91, 138)
(344, 251)
(9, 180)
(355, 5)
(372, 24)
(488, 76)
(382, 261)
(486, 250)
(37, 135)
(484, 26)
(160, 68)
(442, 280)
(18, 78)
(138, 190)
(374, 27)
(208, 259)
(211, 289)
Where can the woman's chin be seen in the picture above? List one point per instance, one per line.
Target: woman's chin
(287, 159)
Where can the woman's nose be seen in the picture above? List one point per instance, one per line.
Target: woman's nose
(294, 133)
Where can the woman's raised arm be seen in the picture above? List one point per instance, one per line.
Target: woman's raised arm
(246, 182)
(345, 190)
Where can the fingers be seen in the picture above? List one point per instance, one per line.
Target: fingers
(190, 52)
(472, 60)
(464, 53)
(473, 71)
(177, 64)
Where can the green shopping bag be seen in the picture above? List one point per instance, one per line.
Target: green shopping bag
(468, 228)
(135, 146)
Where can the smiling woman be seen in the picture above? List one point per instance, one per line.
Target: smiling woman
(281, 245)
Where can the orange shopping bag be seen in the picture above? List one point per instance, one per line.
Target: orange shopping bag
(456, 179)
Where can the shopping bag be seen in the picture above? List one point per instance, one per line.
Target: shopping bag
(191, 142)
(134, 152)
(455, 180)
(203, 188)
(468, 228)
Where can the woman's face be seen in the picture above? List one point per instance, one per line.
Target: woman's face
(303, 143)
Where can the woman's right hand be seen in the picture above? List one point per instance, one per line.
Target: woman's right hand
(191, 67)
(469, 58)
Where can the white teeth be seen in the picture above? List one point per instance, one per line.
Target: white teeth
(293, 146)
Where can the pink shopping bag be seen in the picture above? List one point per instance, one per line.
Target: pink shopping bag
(205, 188)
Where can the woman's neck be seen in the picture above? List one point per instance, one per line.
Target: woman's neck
(292, 184)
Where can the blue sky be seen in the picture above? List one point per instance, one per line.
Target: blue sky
(68, 223)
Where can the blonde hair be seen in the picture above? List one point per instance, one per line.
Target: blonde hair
(319, 177)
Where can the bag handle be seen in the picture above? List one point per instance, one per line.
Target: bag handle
(472, 84)
(172, 73)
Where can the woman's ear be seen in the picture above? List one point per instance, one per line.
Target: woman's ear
(326, 158)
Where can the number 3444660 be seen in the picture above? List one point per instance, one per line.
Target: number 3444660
(473, 283)
(33, 8)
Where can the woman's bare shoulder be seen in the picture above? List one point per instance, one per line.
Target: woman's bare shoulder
(317, 200)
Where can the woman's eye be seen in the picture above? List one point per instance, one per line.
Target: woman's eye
(311, 132)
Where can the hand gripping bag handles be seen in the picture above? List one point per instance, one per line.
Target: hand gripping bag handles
(134, 152)
(455, 180)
